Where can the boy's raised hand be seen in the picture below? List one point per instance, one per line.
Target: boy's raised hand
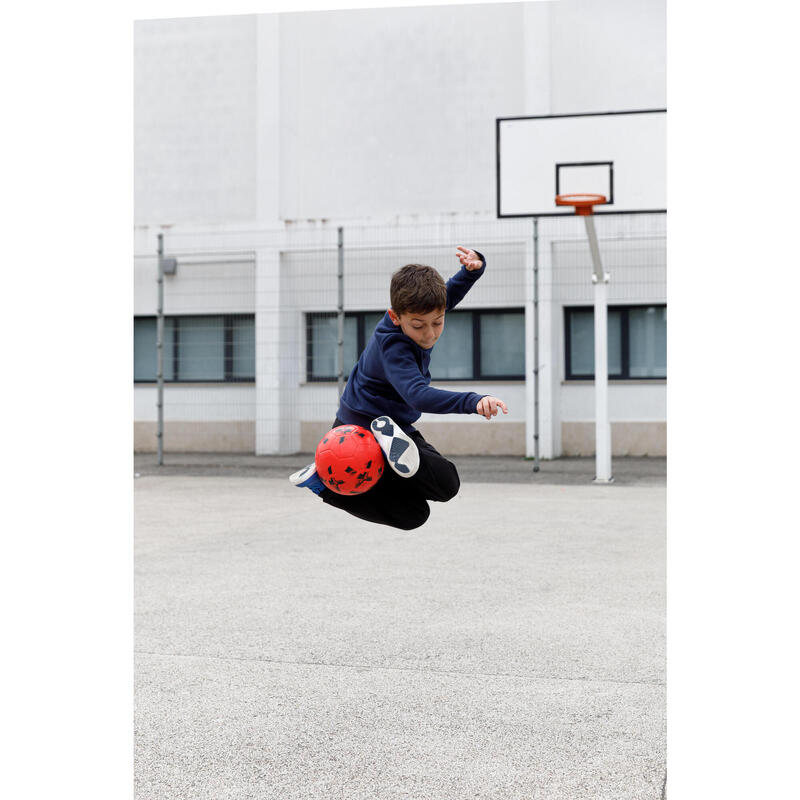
(488, 406)
(469, 258)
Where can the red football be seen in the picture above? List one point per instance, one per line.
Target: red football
(349, 460)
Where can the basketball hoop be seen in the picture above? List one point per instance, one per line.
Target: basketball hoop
(584, 203)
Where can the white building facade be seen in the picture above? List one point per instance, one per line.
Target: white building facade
(258, 137)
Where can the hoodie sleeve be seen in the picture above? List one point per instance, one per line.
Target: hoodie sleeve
(462, 282)
(402, 371)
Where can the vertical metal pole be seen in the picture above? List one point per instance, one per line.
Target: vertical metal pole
(340, 307)
(535, 344)
(602, 423)
(160, 352)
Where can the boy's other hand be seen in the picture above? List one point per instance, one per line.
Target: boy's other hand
(488, 406)
(469, 258)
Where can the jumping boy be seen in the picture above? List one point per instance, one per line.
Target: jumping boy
(389, 388)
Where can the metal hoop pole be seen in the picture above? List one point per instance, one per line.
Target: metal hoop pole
(535, 344)
(601, 419)
(160, 352)
(340, 314)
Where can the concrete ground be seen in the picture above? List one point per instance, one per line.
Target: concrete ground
(488, 469)
(511, 648)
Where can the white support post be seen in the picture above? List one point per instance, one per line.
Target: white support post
(160, 355)
(340, 313)
(277, 418)
(602, 422)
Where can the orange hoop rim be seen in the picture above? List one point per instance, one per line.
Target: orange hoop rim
(584, 203)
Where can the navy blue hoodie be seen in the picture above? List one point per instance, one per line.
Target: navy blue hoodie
(392, 376)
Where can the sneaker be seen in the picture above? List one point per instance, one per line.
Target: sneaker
(308, 478)
(399, 447)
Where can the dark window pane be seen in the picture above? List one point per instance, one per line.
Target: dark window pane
(581, 343)
(244, 347)
(648, 342)
(145, 350)
(170, 345)
(581, 329)
(503, 343)
(452, 355)
(371, 320)
(324, 345)
(201, 348)
(614, 343)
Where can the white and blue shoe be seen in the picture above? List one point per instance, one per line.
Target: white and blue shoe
(399, 448)
(307, 478)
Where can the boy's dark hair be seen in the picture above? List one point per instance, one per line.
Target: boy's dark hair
(417, 288)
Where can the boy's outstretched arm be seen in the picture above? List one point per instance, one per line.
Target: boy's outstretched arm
(403, 373)
(473, 264)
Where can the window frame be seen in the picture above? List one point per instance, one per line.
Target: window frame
(362, 336)
(228, 321)
(624, 343)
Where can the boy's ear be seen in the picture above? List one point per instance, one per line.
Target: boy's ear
(393, 317)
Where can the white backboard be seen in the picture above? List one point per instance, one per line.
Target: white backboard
(619, 154)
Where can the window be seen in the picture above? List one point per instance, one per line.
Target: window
(474, 344)
(197, 348)
(322, 334)
(480, 345)
(453, 356)
(637, 342)
(502, 344)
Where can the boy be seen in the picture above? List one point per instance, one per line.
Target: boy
(388, 389)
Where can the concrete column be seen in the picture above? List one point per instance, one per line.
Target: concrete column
(277, 420)
(549, 353)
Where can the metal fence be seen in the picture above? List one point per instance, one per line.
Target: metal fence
(259, 327)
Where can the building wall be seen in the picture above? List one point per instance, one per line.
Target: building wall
(195, 120)
(197, 417)
(204, 284)
(369, 112)
(253, 130)
(392, 112)
(607, 56)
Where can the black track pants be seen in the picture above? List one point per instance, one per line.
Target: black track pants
(402, 502)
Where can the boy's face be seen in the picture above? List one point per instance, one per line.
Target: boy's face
(423, 329)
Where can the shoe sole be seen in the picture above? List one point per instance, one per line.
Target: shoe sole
(399, 448)
(297, 478)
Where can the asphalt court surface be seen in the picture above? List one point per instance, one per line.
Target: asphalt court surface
(513, 647)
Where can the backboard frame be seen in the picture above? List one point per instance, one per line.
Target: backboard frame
(599, 209)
